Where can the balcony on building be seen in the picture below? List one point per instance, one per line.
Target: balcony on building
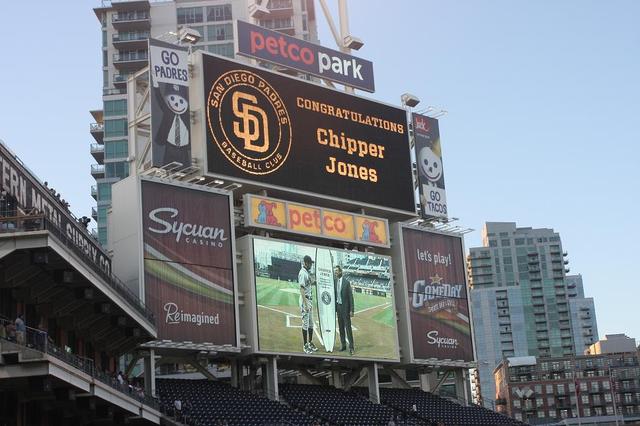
(132, 18)
(120, 81)
(280, 9)
(97, 151)
(282, 25)
(94, 213)
(97, 171)
(131, 40)
(130, 60)
(94, 192)
(97, 131)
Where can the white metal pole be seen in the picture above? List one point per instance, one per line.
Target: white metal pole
(344, 32)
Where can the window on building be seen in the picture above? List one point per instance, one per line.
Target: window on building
(115, 128)
(189, 15)
(607, 397)
(583, 386)
(606, 385)
(519, 241)
(105, 78)
(505, 243)
(102, 214)
(119, 169)
(219, 13)
(493, 243)
(116, 149)
(516, 403)
(220, 32)
(105, 58)
(117, 107)
(221, 49)
(609, 409)
(104, 191)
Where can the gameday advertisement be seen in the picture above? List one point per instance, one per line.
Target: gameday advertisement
(293, 135)
(271, 213)
(433, 197)
(34, 198)
(437, 296)
(188, 263)
(317, 301)
(260, 43)
(169, 98)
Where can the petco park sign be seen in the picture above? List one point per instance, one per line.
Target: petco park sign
(260, 43)
(270, 213)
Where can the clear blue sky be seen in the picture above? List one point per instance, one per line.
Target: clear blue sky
(543, 125)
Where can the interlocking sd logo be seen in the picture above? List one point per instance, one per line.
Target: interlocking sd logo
(257, 139)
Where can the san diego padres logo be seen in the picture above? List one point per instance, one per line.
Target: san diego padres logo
(249, 122)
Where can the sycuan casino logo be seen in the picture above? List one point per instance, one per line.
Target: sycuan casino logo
(257, 139)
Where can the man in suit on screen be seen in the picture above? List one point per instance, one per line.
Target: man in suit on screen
(344, 309)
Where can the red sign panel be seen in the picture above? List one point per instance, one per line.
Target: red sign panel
(437, 296)
(188, 269)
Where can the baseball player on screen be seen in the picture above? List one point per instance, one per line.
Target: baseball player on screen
(306, 305)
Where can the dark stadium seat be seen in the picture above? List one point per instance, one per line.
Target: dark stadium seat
(205, 402)
(434, 409)
(343, 408)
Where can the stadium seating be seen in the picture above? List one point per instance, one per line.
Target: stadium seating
(206, 402)
(434, 409)
(343, 408)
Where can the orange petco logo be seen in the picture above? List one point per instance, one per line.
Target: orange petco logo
(263, 212)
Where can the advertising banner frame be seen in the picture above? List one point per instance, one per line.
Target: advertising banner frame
(172, 344)
(406, 337)
(201, 86)
(249, 221)
(169, 95)
(367, 85)
(253, 335)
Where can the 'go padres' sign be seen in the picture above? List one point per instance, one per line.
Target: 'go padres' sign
(296, 136)
(270, 213)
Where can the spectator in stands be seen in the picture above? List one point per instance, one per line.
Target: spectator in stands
(11, 331)
(177, 404)
(21, 330)
(306, 304)
(344, 308)
(3, 329)
(120, 378)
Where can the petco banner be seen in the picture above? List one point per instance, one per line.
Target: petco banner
(437, 296)
(269, 213)
(260, 43)
(433, 197)
(188, 263)
(169, 97)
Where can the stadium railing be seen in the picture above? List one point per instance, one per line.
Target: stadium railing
(40, 342)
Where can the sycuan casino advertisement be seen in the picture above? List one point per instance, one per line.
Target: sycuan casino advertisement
(283, 132)
(437, 292)
(188, 270)
(341, 300)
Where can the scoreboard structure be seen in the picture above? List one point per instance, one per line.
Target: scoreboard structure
(282, 170)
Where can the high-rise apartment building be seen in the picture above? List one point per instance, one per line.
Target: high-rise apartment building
(126, 27)
(523, 301)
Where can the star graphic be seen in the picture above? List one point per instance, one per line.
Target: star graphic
(436, 280)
